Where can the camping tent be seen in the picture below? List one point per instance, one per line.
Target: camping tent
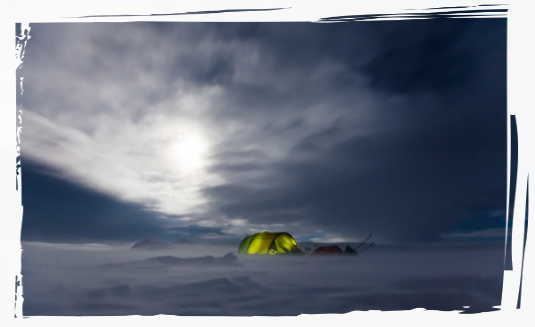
(328, 250)
(268, 243)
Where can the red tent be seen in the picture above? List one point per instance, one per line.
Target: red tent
(328, 250)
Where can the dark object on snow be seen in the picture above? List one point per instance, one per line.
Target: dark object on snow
(334, 249)
(349, 250)
(328, 250)
(147, 244)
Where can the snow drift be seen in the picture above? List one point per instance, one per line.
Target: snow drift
(97, 285)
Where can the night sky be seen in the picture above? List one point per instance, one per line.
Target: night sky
(214, 131)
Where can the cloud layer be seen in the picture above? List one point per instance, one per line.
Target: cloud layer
(328, 131)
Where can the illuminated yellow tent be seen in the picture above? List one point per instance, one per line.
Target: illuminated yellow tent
(268, 243)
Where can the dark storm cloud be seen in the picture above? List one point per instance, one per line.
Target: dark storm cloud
(36, 205)
(438, 163)
(437, 55)
(408, 188)
(395, 128)
(415, 60)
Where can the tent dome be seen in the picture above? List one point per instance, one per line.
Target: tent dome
(268, 243)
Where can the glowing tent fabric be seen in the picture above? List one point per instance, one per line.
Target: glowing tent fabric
(268, 243)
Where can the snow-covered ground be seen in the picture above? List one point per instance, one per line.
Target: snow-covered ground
(84, 280)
